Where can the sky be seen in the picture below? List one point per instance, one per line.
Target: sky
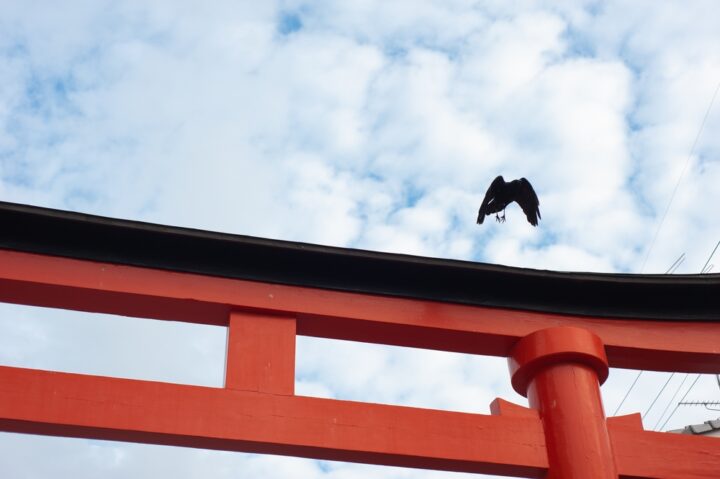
(364, 124)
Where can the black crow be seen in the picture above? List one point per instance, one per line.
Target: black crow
(500, 194)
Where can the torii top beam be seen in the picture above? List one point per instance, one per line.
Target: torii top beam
(653, 322)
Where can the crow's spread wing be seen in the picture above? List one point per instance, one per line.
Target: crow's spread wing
(528, 201)
(497, 183)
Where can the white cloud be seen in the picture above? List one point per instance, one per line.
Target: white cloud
(109, 345)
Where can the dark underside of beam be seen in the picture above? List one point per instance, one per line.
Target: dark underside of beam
(61, 233)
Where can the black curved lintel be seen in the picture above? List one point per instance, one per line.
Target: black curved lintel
(62, 233)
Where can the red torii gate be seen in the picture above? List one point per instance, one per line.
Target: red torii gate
(53, 259)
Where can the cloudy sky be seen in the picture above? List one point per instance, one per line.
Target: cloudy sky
(364, 124)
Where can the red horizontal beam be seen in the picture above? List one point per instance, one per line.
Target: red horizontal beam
(74, 405)
(103, 287)
(512, 443)
(663, 455)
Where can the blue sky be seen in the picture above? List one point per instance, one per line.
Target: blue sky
(365, 124)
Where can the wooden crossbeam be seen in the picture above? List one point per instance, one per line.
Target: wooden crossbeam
(662, 455)
(512, 443)
(74, 405)
(104, 287)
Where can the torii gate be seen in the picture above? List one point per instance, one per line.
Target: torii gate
(560, 331)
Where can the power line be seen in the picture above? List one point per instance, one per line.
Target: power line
(671, 401)
(658, 395)
(670, 270)
(662, 220)
(703, 270)
(628, 393)
(682, 173)
(681, 400)
(676, 264)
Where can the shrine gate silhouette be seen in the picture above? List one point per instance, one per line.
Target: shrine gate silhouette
(559, 331)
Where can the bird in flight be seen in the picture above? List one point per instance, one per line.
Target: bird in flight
(501, 193)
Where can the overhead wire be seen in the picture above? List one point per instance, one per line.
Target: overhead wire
(670, 270)
(703, 270)
(679, 180)
(627, 393)
(662, 220)
(681, 400)
(680, 261)
(687, 375)
(676, 264)
(657, 396)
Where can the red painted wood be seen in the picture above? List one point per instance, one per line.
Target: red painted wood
(558, 370)
(64, 404)
(552, 346)
(662, 455)
(261, 353)
(103, 287)
(627, 421)
(501, 407)
(74, 405)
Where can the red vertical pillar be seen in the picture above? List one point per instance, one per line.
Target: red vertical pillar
(560, 371)
(261, 353)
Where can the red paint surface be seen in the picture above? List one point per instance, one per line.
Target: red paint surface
(663, 455)
(161, 413)
(558, 370)
(560, 345)
(261, 353)
(102, 287)
(565, 435)
(75, 405)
